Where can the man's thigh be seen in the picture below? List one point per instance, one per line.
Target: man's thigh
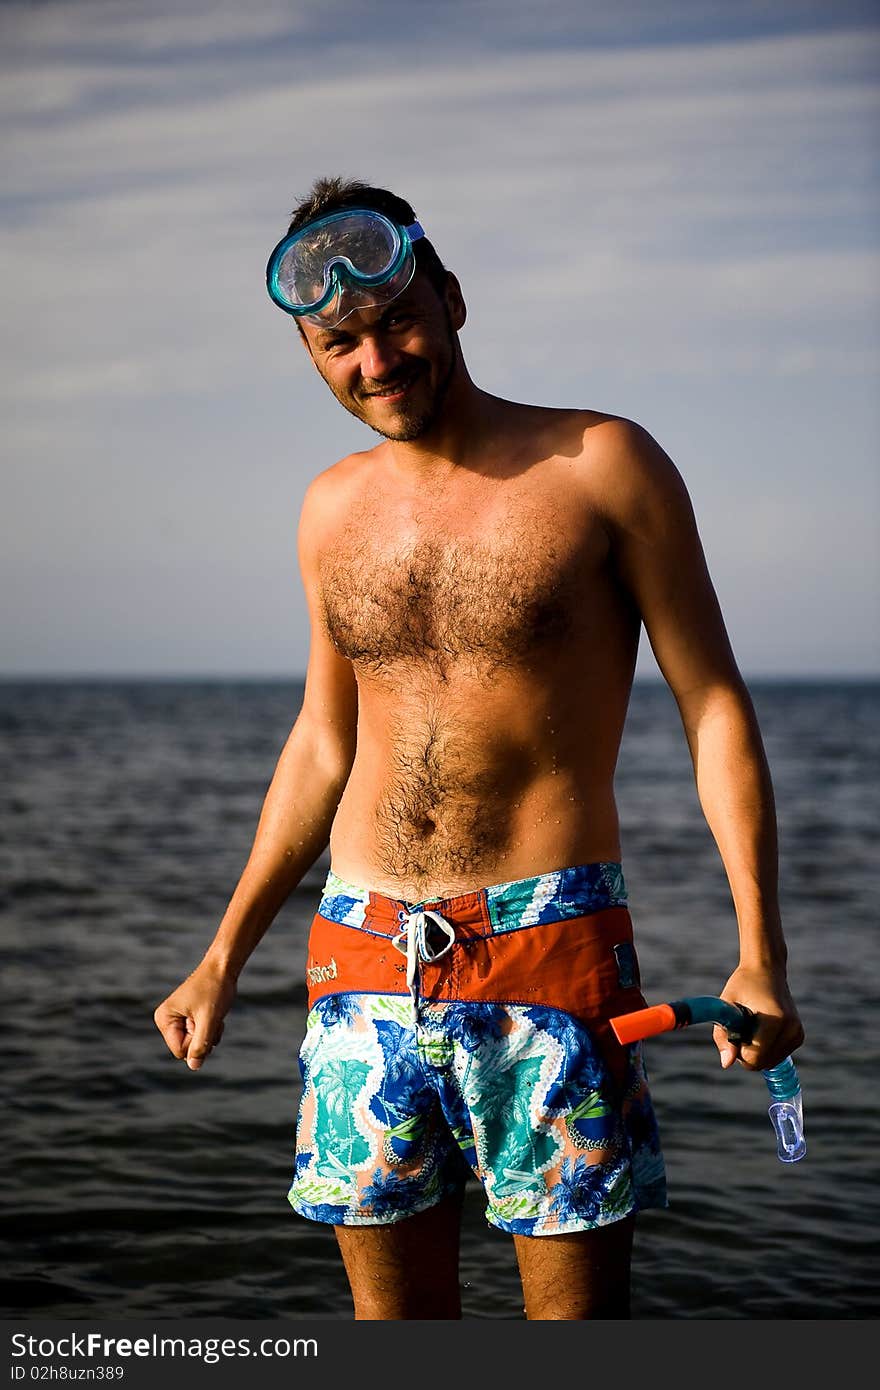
(581, 1274)
(408, 1269)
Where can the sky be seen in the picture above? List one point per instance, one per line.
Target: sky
(665, 212)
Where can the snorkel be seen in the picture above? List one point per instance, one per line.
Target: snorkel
(786, 1104)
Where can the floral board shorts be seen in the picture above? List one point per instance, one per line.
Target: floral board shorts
(470, 1034)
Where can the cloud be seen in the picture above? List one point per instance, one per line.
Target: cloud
(644, 183)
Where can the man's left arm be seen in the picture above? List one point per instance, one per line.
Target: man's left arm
(659, 559)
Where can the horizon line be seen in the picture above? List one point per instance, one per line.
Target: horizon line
(277, 678)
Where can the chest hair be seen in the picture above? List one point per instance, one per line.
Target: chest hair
(438, 599)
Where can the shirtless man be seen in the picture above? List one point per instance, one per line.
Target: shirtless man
(476, 584)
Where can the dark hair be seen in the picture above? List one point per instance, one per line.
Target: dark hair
(332, 194)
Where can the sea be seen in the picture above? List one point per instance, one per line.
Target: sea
(135, 1189)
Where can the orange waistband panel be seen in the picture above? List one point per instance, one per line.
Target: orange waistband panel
(567, 965)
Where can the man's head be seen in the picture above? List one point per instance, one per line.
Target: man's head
(335, 195)
(389, 363)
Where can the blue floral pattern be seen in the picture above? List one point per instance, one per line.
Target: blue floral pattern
(394, 1113)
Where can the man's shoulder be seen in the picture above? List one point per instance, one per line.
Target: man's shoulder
(335, 485)
(624, 469)
(344, 473)
(328, 502)
(606, 436)
(597, 439)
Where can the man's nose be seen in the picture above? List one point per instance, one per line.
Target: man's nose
(379, 357)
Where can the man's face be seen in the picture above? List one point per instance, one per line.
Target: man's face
(391, 365)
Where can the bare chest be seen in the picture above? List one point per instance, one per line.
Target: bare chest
(488, 594)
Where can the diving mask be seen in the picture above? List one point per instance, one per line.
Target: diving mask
(352, 259)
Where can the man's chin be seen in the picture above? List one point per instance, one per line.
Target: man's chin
(401, 425)
(402, 430)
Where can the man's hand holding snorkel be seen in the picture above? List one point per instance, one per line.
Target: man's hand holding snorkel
(777, 1030)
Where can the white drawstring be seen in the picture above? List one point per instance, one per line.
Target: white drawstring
(412, 942)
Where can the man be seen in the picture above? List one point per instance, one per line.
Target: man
(476, 584)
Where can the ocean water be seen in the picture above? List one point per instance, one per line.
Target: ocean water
(133, 1188)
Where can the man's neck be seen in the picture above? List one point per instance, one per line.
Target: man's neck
(468, 432)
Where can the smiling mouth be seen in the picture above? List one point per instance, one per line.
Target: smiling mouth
(394, 389)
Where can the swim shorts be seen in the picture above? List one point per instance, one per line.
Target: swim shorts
(470, 1034)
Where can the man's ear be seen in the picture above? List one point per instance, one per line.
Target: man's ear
(455, 302)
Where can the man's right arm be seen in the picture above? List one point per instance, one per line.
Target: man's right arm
(294, 824)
